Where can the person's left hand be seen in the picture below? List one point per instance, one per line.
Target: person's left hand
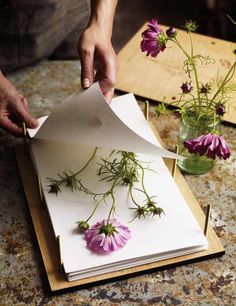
(98, 61)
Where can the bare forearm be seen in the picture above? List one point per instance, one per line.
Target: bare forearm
(102, 14)
(98, 59)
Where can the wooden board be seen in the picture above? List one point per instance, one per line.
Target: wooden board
(156, 78)
(48, 244)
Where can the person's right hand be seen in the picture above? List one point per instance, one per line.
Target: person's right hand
(13, 109)
(99, 61)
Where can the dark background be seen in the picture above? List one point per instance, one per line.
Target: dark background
(34, 29)
(212, 19)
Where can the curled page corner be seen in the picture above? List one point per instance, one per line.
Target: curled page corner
(86, 118)
(33, 132)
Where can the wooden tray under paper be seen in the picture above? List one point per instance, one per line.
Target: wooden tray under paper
(156, 78)
(49, 247)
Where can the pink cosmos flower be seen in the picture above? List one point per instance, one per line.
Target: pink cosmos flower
(211, 144)
(105, 236)
(154, 39)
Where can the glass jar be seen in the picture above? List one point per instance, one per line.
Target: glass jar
(192, 126)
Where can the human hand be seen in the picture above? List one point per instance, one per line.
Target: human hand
(13, 109)
(98, 60)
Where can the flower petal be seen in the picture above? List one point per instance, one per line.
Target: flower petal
(106, 242)
(210, 144)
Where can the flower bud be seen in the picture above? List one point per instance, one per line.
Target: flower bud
(83, 225)
(220, 110)
(205, 88)
(54, 188)
(140, 211)
(177, 114)
(190, 26)
(186, 87)
(156, 211)
(126, 181)
(171, 32)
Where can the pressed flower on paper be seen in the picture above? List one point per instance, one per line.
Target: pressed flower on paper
(121, 170)
(107, 236)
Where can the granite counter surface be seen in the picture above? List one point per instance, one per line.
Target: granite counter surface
(210, 282)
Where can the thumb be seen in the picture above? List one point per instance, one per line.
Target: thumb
(87, 68)
(26, 117)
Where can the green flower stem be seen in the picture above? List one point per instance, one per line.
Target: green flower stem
(104, 195)
(142, 178)
(113, 198)
(70, 180)
(131, 195)
(122, 170)
(87, 163)
(195, 72)
(227, 78)
(143, 185)
(94, 210)
(175, 40)
(191, 41)
(191, 61)
(214, 123)
(112, 207)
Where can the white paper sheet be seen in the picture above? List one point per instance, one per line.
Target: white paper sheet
(86, 118)
(175, 233)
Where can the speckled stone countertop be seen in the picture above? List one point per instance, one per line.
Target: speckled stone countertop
(210, 282)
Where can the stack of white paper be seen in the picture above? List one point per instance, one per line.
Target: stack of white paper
(66, 140)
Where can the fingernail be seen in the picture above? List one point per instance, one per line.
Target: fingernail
(85, 83)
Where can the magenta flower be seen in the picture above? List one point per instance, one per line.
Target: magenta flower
(211, 144)
(105, 236)
(186, 87)
(154, 39)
